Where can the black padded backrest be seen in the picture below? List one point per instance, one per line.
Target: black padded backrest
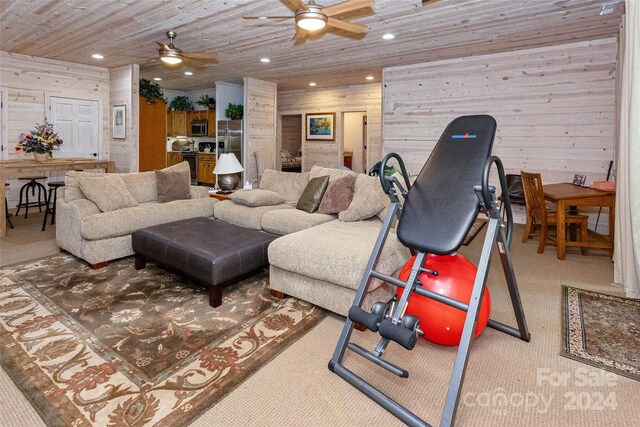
(442, 205)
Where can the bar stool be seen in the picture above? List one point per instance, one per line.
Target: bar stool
(24, 193)
(51, 209)
(6, 206)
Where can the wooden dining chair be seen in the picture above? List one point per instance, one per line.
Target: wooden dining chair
(537, 212)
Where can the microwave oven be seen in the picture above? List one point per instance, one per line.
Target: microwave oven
(199, 128)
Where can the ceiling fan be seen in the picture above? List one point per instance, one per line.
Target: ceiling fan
(169, 54)
(313, 17)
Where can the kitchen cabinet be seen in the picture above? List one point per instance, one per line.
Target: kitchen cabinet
(211, 118)
(177, 123)
(173, 158)
(206, 164)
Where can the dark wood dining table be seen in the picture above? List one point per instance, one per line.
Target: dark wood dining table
(14, 168)
(565, 195)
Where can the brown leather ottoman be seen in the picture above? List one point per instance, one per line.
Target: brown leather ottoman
(205, 250)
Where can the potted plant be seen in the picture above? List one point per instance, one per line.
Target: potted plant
(151, 91)
(41, 141)
(180, 103)
(234, 111)
(206, 101)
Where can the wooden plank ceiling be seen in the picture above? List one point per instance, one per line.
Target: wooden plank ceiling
(124, 31)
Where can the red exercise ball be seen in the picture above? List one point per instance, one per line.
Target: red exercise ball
(443, 324)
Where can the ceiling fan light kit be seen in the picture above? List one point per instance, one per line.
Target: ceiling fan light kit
(312, 19)
(170, 58)
(169, 53)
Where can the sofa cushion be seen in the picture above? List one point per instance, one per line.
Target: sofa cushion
(332, 173)
(72, 186)
(108, 192)
(338, 196)
(290, 185)
(253, 198)
(368, 199)
(287, 221)
(173, 185)
(312, 194)
(337, 252)
(125, 221)
(387, 201)
(141, 185)
(244, 216)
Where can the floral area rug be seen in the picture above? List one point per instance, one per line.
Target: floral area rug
(602, 330)
(120, 347)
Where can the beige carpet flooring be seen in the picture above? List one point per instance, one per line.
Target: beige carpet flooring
(26, 241)
(541, 388)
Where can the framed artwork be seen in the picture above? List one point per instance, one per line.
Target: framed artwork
(118, 124)
(321, 126)
(579, 180)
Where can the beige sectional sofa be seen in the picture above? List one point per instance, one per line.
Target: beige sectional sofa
(318, 257)
(97, 237)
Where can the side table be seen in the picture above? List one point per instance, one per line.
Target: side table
(220, 196)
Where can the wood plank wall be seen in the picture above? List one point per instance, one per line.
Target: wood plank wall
(555, 107)
(30, 81)
(366, 97)
(260, 106)
(291, 135)
(123, 90)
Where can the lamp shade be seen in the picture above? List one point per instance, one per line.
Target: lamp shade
(227, 163)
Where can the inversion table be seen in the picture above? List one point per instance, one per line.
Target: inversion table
(438, 211)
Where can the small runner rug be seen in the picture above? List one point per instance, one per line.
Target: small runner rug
(121, 347)
(602, 330)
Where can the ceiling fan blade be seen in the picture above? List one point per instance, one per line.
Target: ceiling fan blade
(347, 26)
(163, 46)
(195, 64)
(268, 17)
(201, 56)
(347, 6)
(300, 34)
(298, 4)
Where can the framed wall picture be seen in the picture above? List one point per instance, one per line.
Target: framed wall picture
(118, 125)
(321, 126)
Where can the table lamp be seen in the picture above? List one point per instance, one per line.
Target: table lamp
(226, 169)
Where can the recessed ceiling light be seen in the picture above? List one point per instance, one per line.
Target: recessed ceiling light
(157, 79)
(188, 73)
(369, 77)
(262, 17)
(97, 56)
(388, 36)
(265, 60)
(312, 84)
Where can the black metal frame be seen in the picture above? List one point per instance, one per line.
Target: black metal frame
(496, 235)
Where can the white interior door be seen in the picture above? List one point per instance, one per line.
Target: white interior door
(77, 121)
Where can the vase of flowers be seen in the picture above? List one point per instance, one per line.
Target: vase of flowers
(41, 141)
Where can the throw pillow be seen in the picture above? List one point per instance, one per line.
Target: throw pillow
(255, 198)
(108, 192)
(173, 184)
(366, 203)
(312, 194)
(72, 186)
(288, 184)
(338, 196)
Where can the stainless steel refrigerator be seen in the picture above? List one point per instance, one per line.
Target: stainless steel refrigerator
(230, 138)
